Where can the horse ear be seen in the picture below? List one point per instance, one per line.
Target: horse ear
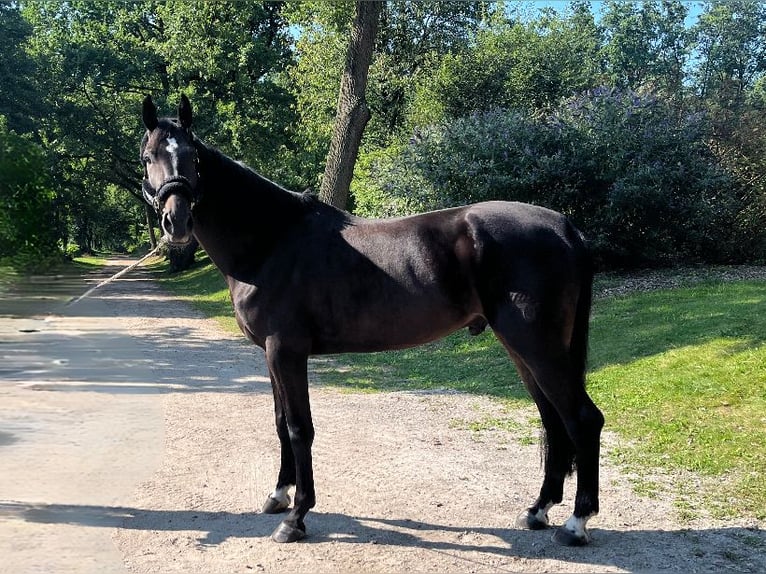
(185, 112)
(150, 113)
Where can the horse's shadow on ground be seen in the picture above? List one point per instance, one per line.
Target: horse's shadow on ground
(687, 549)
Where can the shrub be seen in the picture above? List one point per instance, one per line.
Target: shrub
(27, 230)
(638, 178)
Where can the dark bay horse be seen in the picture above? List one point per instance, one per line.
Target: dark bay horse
(306, 278)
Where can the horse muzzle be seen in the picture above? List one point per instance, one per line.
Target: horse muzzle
(174, 198)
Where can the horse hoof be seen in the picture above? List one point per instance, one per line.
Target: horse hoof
(529, 521)
(566, 537)
(287, 533)
(274, 506)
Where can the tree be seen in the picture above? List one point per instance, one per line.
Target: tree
(99, 59)
(729, 81)
(513, 64)
(27, 229)
(731, 46)
(352, 112)
(412, 37)
(20, 99)
(647, 45)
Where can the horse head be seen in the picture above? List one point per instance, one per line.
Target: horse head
(171, 181)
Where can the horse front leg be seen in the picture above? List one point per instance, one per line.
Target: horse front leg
(288, 369)
(279, 500)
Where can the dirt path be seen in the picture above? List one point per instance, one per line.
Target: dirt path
(81, 425)
(402, 484)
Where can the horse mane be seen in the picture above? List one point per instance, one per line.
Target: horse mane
(240, 176)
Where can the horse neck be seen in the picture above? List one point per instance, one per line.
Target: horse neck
(241, 214)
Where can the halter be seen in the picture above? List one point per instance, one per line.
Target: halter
(177, 184)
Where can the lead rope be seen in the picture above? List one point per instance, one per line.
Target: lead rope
(117, 275)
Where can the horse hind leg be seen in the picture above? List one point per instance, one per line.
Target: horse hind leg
(584, 427)
(572, 422)
(558, 455)
(583, 422)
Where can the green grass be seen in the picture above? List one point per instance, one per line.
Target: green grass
(460, 362)
(679, 373)
(8, 275)
(89, 261)
(11, 276)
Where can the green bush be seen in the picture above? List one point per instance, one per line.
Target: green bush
(638, 178)
(27, 229)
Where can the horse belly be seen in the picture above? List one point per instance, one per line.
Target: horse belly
(381, 326)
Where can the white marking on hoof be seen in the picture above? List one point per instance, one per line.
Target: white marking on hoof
(280, 495)
(577, 526)
(542, 514)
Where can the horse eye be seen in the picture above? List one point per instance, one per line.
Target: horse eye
(147, 159)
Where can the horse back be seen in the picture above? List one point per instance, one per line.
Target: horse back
(371, 285)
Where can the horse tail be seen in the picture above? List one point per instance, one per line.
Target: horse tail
(578, 344)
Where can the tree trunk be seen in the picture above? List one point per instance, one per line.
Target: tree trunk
(352, 114)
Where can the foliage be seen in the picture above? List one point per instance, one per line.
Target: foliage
(625, 168)
(512, 64)
(640, 170)
(27, 228)
(314, 77)
(646, 45)
(263, 77)
(227, 55)
(730, 41)
(19, 101)
(410, 36)
(97, 60)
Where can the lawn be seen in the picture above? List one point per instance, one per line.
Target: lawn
(680, 374)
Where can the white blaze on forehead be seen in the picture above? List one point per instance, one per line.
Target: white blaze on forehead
(172, 148)
(172, 145)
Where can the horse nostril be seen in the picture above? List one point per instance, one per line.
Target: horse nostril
(167, 223)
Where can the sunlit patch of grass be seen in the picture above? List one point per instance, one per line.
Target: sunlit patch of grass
(527, 432)
(459, 362)
(682, 375)
(89, 261)
(7, 276)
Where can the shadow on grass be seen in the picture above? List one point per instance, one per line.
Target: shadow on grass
(625, 329)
